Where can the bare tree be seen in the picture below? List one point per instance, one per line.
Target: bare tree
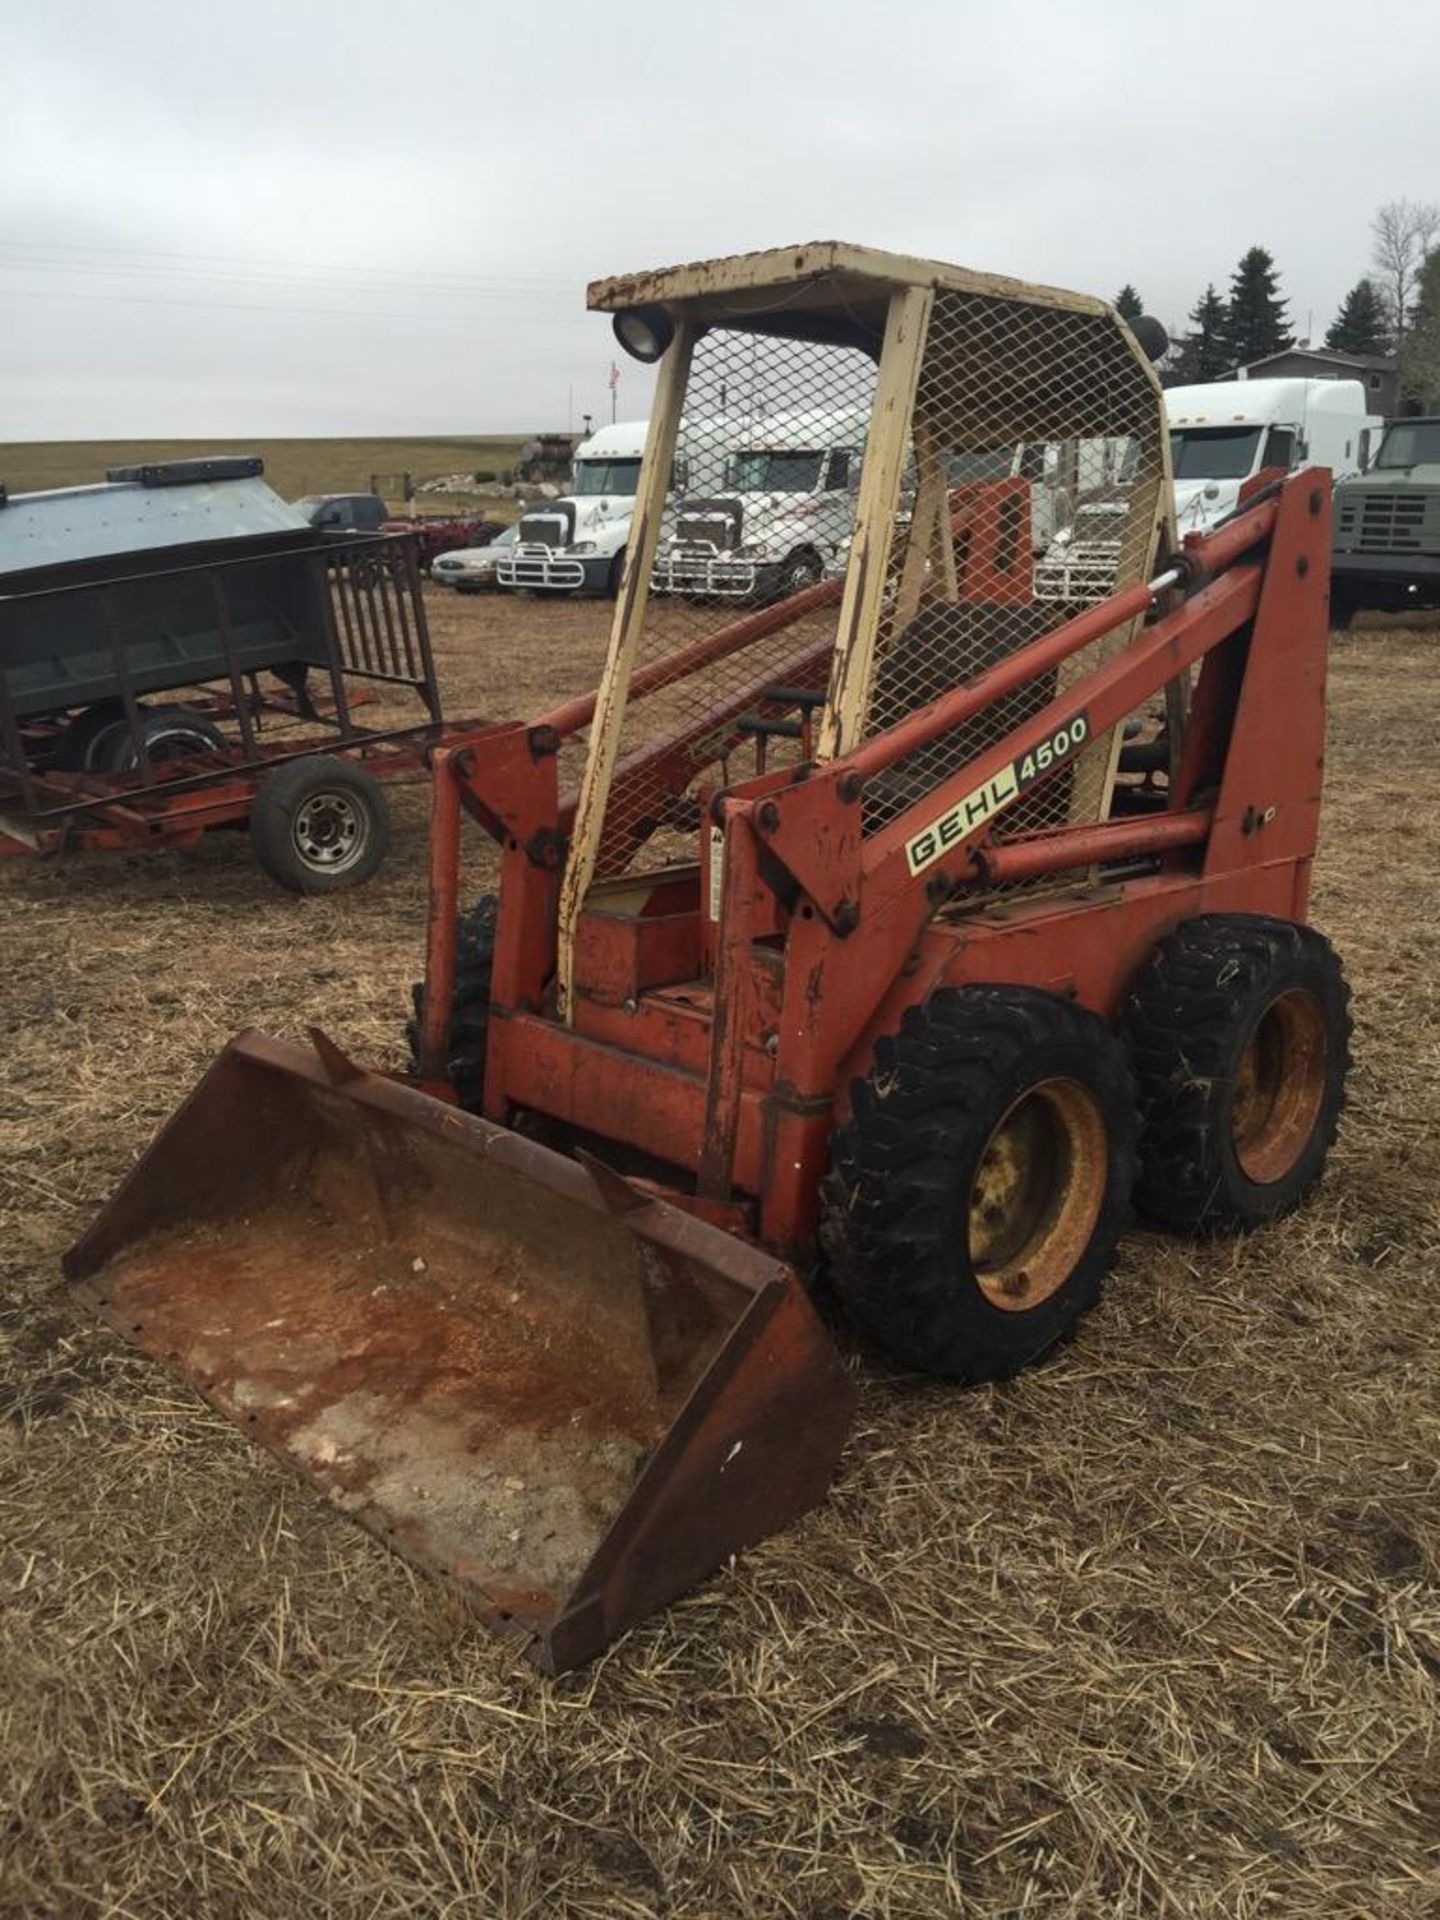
(1403, 233)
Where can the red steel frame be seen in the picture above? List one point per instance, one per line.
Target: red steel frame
(48, 811)
(726, 1050)
(209, 790)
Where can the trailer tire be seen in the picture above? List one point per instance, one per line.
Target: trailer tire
(168, 733)
(988, 1157)
(79, 747)
(320, 824)
(470, 1008)
(1238, 1028)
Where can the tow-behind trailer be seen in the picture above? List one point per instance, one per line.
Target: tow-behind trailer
(267, 648)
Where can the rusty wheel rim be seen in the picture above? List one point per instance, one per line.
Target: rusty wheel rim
(1279, 1087)
(1037, 1194)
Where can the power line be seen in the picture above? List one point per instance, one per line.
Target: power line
(329, 313)
(192, 276)
(395, 275)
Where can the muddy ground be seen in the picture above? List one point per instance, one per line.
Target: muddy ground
(1152, 1630)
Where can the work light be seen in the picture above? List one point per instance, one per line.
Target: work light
(644, 332)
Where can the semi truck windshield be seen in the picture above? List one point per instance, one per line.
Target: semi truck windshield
(1213, 453)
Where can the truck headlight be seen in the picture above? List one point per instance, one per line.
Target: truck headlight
(583, 546)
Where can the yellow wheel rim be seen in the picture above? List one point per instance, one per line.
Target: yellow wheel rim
(1279, 1087)
(1037, 1194)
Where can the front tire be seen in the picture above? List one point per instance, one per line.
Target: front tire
(799, 571)
(1239, 1031)
(320, 825)
(978, 1191)
(1342, 609)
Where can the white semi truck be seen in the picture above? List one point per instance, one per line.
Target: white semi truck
(577, 544)
(785, 509)
(1221, 434)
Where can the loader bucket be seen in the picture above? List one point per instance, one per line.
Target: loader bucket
(568, 1398)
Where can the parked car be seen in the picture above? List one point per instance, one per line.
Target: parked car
(434, 533)
(472, 569)
(354, 512)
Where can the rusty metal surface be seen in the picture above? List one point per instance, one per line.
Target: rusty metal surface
(518, 1372)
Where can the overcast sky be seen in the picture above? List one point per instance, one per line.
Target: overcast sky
(377, 218)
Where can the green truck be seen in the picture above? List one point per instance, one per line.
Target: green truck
(1387, 527)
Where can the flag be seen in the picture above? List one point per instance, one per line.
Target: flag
(614, 376)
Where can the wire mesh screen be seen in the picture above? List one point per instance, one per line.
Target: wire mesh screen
(745, 585)
(1027, 418)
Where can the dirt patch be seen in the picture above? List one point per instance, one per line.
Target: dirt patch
(1152, 1630)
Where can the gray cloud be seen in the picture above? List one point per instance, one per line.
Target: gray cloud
(369, 219)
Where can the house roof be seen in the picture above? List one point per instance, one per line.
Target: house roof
(1378, 362)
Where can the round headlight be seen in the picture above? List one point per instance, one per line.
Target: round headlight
(644, 332)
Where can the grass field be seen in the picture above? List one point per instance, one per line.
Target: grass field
(1152, 1630)
(293, 467)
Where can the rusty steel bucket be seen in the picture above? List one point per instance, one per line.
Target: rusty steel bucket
(569, 1398)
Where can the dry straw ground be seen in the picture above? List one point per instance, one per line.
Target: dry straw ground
(1152, 1631)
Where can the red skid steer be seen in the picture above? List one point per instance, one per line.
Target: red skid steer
(905, 927)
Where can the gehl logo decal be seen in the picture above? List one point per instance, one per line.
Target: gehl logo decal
(941, 835)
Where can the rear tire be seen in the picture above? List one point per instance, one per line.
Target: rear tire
(470, 1009)
(977, 1193)
(1239, 1031)
(320, 825)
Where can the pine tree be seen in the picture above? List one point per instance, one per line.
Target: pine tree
(1128, 303)
(1255, 319)
(1359, 326)
(1201, 355)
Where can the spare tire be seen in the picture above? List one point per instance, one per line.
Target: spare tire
(167, 733)
(83, 743)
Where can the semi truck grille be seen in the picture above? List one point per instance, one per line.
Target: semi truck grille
(543, 530)
(716, 522)
(1390, 523)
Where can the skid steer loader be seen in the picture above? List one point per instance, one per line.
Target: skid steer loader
(901, 928)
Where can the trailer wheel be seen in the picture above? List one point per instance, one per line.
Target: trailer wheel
(320, 824)
(978, 1191)
(168, 733)
(82, 742)
(470, 1009)
(1239, 1031)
